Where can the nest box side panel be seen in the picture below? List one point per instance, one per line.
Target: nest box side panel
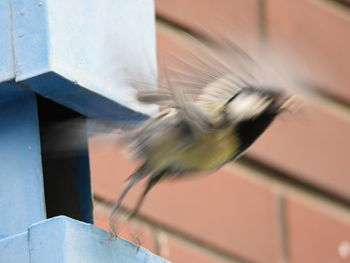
(21, 189)
(7, 68)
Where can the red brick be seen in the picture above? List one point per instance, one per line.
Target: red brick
(212, 15)
(224, 210)
(178, 252)
(136, 233)
(312, 145)
(109, 168)
(315, 233)
(318, 34)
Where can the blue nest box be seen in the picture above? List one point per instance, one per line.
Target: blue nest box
(62, 60)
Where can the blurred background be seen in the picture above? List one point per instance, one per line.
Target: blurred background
(288, 199)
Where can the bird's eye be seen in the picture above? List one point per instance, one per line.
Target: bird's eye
(233, 97)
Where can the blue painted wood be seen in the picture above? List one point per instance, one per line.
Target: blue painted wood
(21, 187)
(82, 182)
(7, 68)
(10, 90)
(30, 37)
(99, 45)
(82, 54)
(73, 241)
(68, 93)
(15, 249)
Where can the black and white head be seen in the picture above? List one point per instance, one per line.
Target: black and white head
(252, 109)
(252, 102)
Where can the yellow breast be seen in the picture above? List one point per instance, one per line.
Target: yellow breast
(208, 152)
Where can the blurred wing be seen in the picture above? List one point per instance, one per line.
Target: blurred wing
(221, 89)
(153, 129)
(177, 96)
(215, 71)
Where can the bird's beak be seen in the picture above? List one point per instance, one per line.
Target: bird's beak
(289, 104)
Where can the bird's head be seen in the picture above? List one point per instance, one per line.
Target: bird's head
(253, 102)
(252, 109)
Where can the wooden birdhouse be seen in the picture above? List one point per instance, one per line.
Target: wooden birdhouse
(61, 60)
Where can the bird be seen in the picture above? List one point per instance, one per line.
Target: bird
(212, 111)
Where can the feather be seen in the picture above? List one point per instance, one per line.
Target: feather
(214, 108)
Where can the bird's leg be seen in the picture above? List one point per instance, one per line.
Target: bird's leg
(152, 182)
(132, 180)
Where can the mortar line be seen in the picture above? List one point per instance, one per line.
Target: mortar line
(291, 184)
(321, 98)
(261, 22)
(283, 232)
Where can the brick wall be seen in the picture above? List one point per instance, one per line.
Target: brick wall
(288, 200)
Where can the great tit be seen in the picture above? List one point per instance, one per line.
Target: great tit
(212, 112)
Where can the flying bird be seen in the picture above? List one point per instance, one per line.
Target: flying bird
(213, 109)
